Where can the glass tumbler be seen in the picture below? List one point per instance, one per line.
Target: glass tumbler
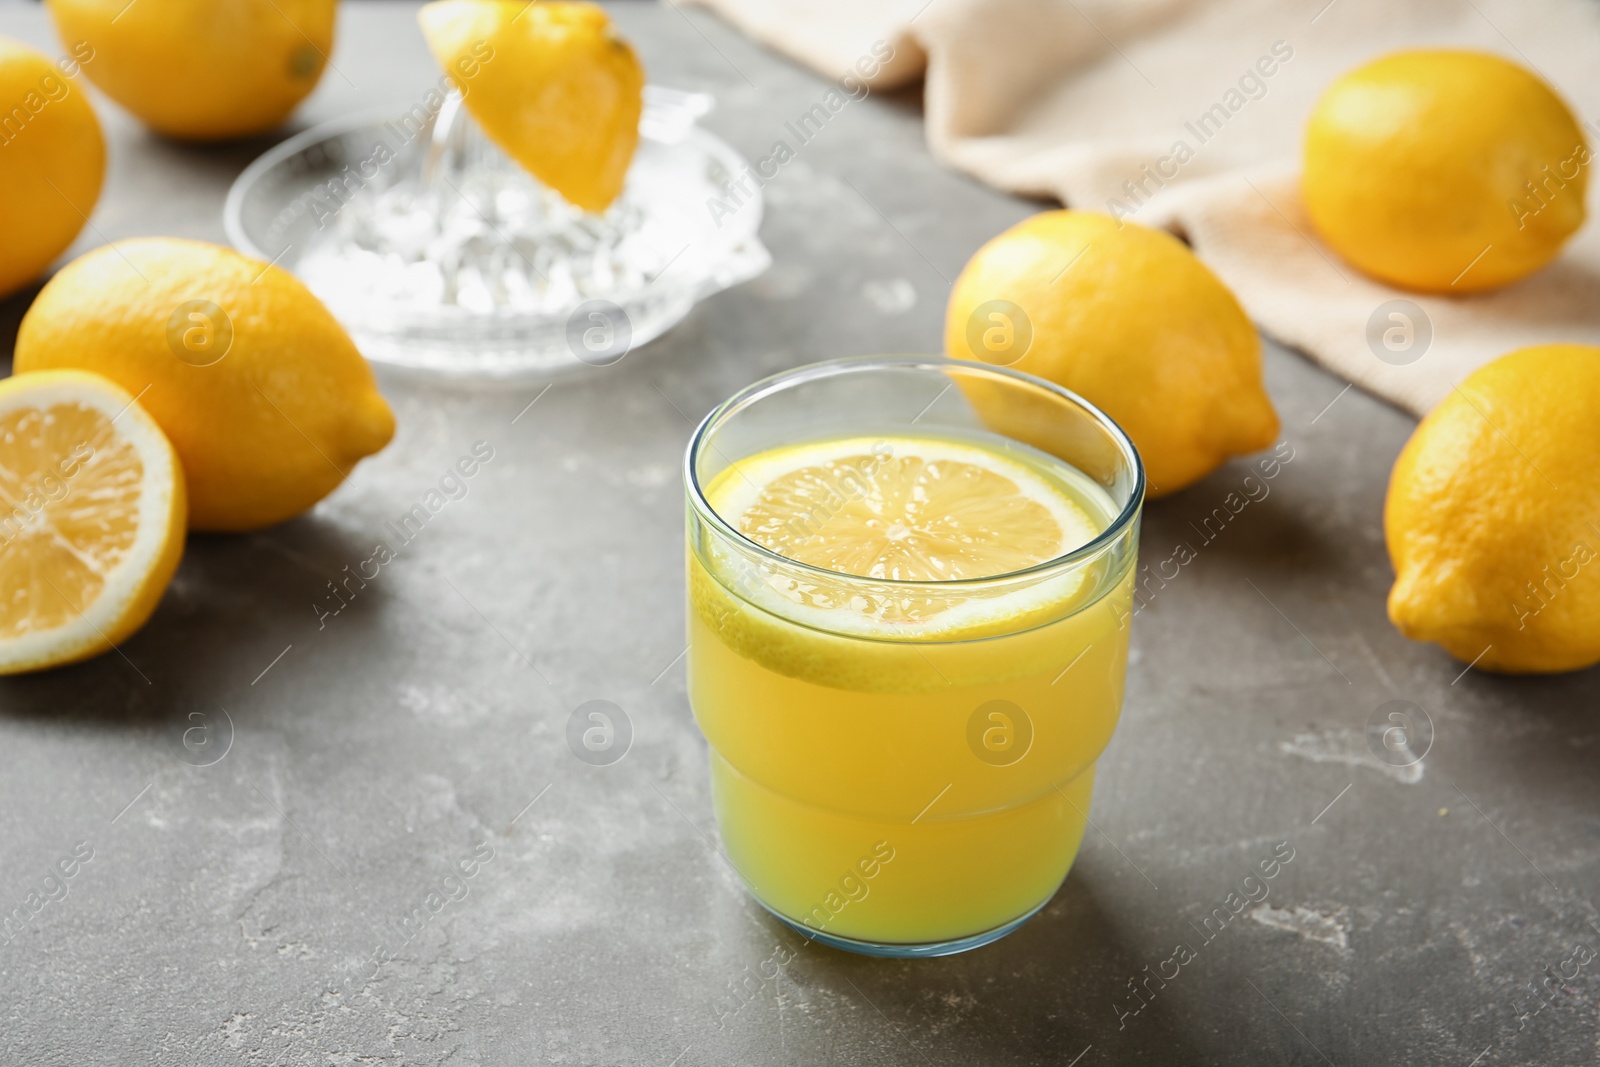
(904, 795)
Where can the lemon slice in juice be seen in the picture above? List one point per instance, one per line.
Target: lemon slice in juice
(928, 510)
(903, 509)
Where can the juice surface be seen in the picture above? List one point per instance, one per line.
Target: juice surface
(896, 768)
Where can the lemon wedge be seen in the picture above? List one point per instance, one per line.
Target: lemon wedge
(551, 83)
(92, 517)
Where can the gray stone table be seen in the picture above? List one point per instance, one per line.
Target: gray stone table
(231, 913)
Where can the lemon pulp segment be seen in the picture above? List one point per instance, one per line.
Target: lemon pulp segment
(68, 547)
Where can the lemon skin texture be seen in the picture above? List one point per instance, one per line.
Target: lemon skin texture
(52, 163)
(1126, 317)
(1444, 171)
(203, 70)
(1492, 511)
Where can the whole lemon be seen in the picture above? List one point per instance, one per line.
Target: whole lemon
(203, 70)
(1444, 171)
(551, 83)
(52, 160)
(1126, 317)
(261, 391)
(1492, 515)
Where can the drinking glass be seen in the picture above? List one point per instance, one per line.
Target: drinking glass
(902, 795)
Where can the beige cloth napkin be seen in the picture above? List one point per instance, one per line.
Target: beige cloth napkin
(1073, 98)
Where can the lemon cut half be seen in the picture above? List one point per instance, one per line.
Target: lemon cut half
(92, 517)
(924, 510)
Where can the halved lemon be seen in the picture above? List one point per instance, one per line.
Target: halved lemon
(92, 517)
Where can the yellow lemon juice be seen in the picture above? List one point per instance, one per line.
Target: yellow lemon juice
(904, 688)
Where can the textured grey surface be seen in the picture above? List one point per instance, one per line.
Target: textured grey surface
(232, 913)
